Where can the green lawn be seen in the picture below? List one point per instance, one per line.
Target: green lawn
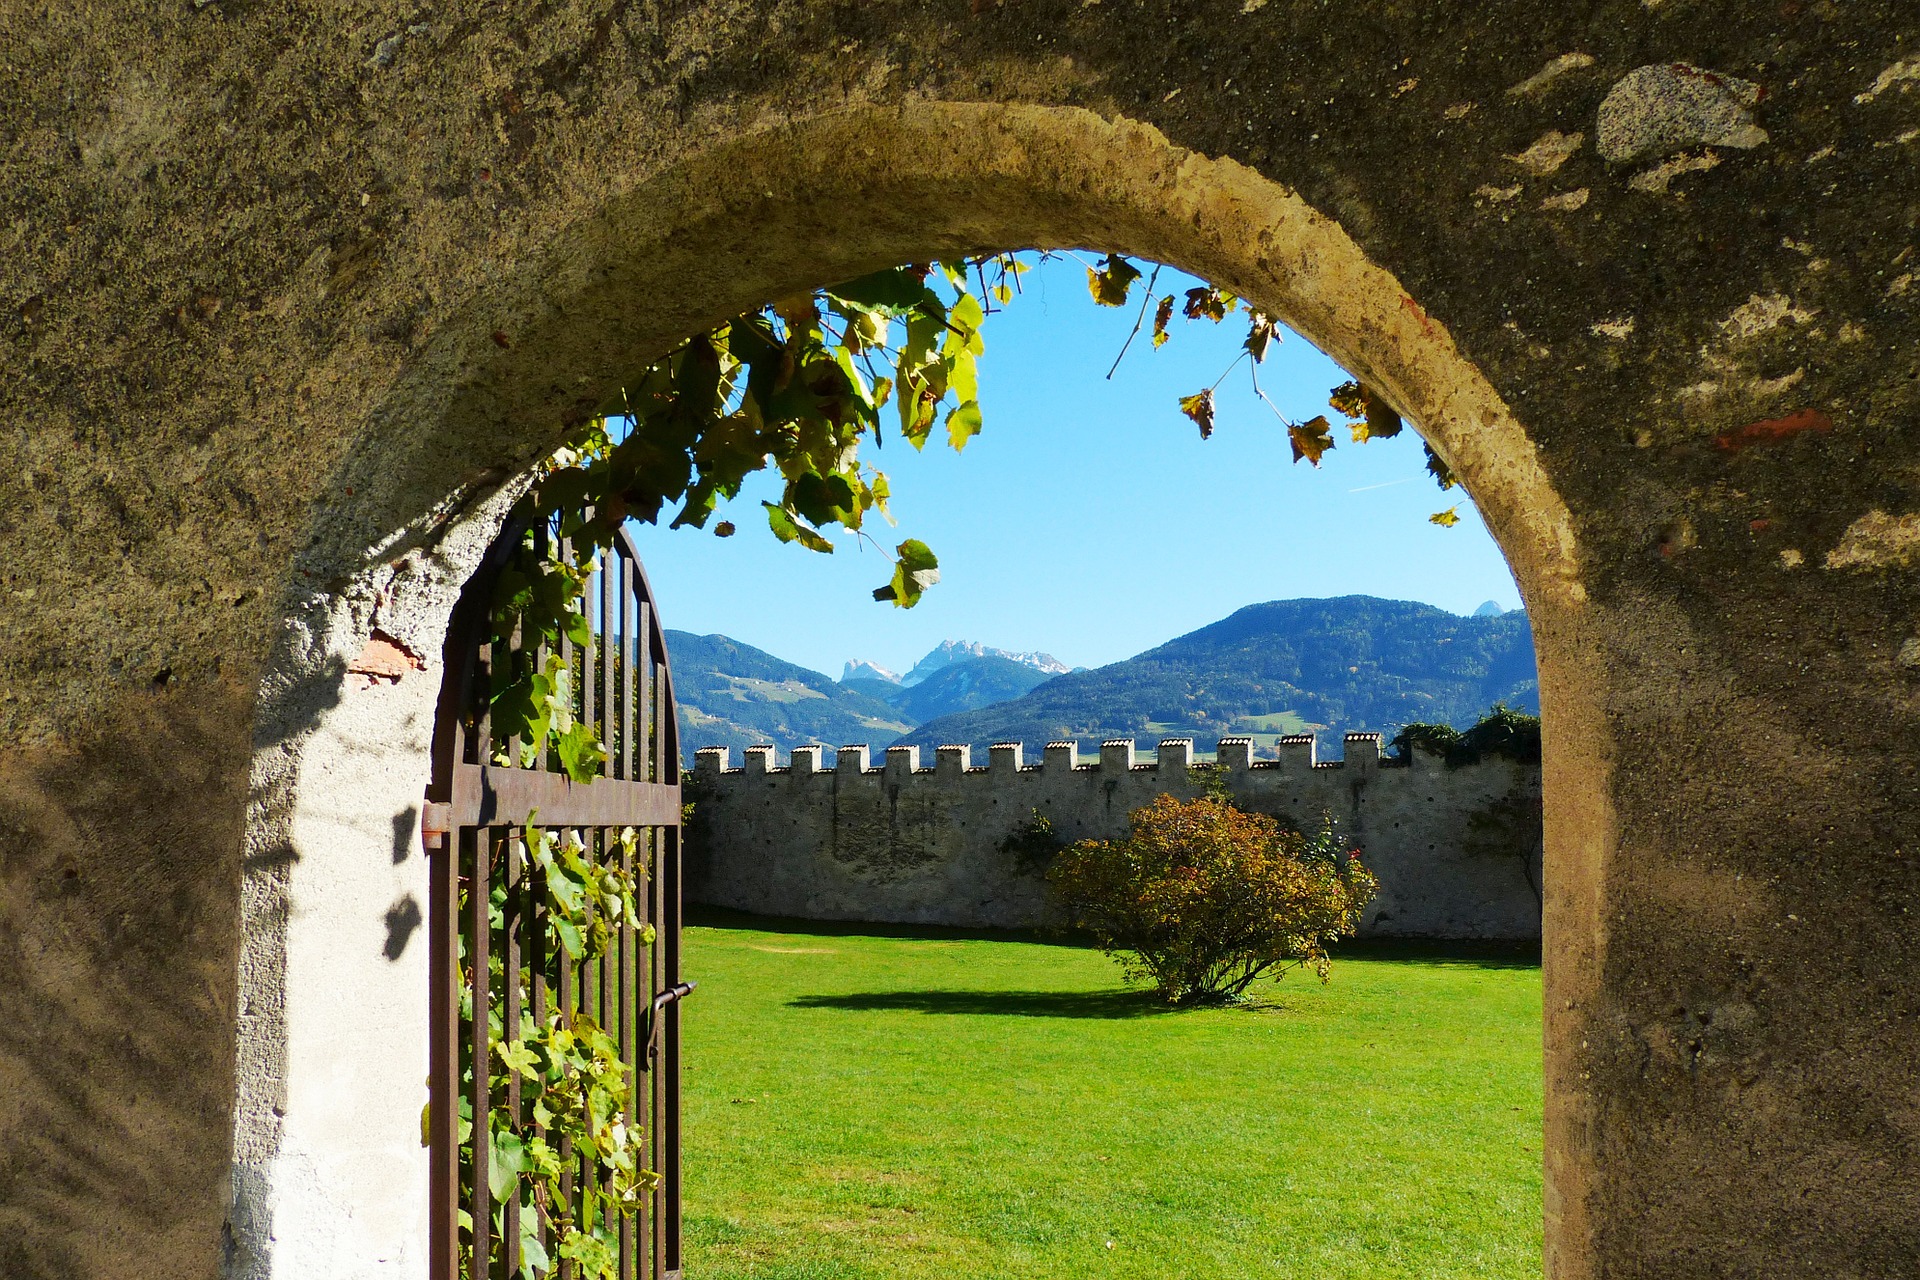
(936, 1106)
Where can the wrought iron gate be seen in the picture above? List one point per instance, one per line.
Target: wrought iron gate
(487, 916)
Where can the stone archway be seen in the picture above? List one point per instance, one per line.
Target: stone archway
(346, 281)
(960, 177)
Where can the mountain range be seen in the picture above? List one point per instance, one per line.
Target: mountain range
(947, 653)
(1288, 666)
(956, 686)
(734, 695)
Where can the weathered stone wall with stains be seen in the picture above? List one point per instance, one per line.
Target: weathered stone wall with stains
(288, 290)
(1457, 850)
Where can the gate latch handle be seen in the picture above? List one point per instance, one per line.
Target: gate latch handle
(672, 995)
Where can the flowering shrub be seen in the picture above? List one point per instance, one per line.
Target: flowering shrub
(1203, 898)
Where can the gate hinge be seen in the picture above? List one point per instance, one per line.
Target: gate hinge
(436, 819)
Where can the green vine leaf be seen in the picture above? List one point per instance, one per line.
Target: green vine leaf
(790, 528)
(581, 754)
(915, 569)
(892, 292)
(506, 1161)
(532, 1251)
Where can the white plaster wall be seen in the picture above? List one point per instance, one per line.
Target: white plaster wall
(330, 1178)
(351, 1170)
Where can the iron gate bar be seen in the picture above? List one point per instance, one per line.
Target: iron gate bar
(473, 825)
(486, 795)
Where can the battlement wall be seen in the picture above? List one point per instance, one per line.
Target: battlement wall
(1457, 850)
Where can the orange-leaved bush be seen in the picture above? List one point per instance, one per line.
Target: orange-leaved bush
(1203, 898)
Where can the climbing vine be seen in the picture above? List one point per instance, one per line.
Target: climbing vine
(574, 1093)
(798, 386)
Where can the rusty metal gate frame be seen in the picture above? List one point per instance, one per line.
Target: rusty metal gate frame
(476, 809)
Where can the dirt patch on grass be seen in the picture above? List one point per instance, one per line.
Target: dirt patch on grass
(870, 1177)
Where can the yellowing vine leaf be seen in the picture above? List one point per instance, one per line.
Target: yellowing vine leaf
(1209, 303)
(1162, 314)
(517, 1058)
(1311, 439)
(963, 424)
(1261, 331)
(1372, 418)
(1446, 519)
(1348, 400)
(1199, 407)
(798, 309)
(1110, 282)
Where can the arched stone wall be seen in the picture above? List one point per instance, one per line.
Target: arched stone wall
(957, 177)
(291, 298)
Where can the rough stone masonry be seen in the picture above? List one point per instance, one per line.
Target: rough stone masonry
(292, 294)
(1457, 850)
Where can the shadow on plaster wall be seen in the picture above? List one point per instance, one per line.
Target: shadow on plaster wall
(403, 917)
(403, 825)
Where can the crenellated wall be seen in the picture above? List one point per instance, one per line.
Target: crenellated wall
(1457, 850)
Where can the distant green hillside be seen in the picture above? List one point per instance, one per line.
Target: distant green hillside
(1289, 666)
(734, 695)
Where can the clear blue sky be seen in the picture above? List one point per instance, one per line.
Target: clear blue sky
(1089, 519)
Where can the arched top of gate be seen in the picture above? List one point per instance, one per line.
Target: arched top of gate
(766, 213)
(624, 618)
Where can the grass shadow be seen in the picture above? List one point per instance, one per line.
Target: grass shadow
(1468, 952)
(1004, 1004)
(1472, 953)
